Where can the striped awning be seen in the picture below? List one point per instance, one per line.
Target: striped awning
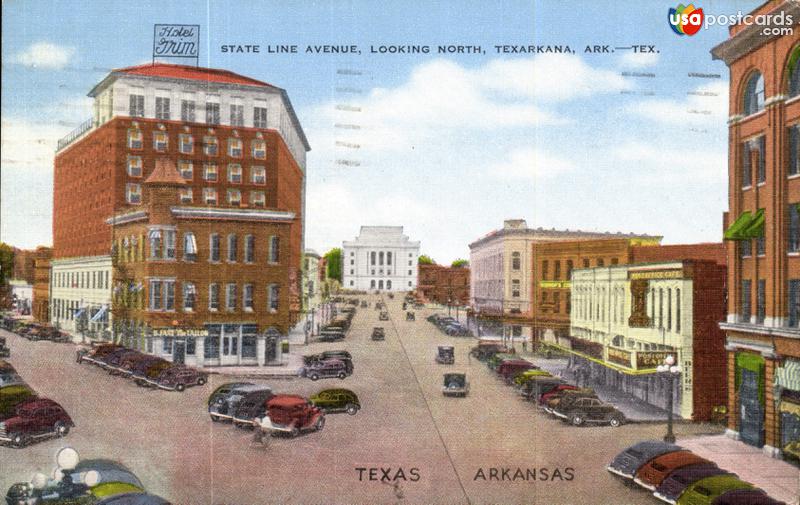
(789, 408)
(788, 375)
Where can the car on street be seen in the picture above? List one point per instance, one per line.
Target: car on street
(378, 333)
(488, 348)
(10, 378)
(589, 410)
(5, 351)
(290, 414)
(535, 387)
(567, 396)
(510, 368)
(445, 355)
(705, 491)
(336, 400)
(498, 358)
(13, 395)
(324, 369)
(364, 304)
(334, 354)
(136, 366)
(111, 361)
(96, 353)
(178, 378)
(223, 390)
(148, 372)
(522, 378)
(35, 419)
(652, 473)
(628, 462)
(410, 316)
(555, 392)
(331, 335)
(455, 384)
(252, 405)
(746, 497)
(226, 402)
(673, 484)
(456, 330)
(383, 316)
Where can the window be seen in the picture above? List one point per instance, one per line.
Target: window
(794, 227)
(135, 166)
(556, 302)
(155, 295)
(258, 175)
(186, 168)
(237, 114)
(213, 296)
(544, 269)
(677, 310)
(210, 172)
(187, 110)
(568, 302)
(210, 146)
(213, 247)
(372, 257)
(761, 301)
(669, 309)
(234, 197)
(754, 94)
(169, 244)
(601, 262)
(212, 113)
(585, 262)
(162, 107)
(569, 269)
(233, 247)
(274, 249)
(794, 149)
(235, 173)
(189, 247)
(259, 117)
(134, 139)
(191, 346)
(793, 71)
(380, 258)
(249, 248)
(515, 288)
(169, 295)
(257, 199)
(136, 105)
(794, 302)
(745, 311)
(259, 149)
(516, 261)
(249, 340)
(660, 308)
(761, 245)
(615, 261)
(160, 141)
(230, 297)
(211, 347)
(247, 298)
(557, 270)
(273, 292)
(745, 248)
(186, 143)
(210, 196)
(235, 148)
(133, 193)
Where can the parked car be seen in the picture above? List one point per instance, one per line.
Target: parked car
(252, 405)
(410, 316)
(555, 392)
(535, 387)
(290, 414)
(336, 400)
(225, 403)
(378, 333)
(224, 390)
(10, 378)
(111, 361)
(147, 372)
(13, 395)
(445, 355)
(705, 491)
(746, 497)
(418, 306)
(510, 368)
(178, 378)
(652, 473)
(5, 366)
(628, 462)
(364, 304)
(456, 330)
(35, 419)
(589, 410)
(498, 358)
(5, 351)
(136, 366)
(488, 348)
(331, 335)
(568, 396)
(455, 384)
(674, 484)
(324, 368)
(95, 354)
(522, 378)
(383, 316)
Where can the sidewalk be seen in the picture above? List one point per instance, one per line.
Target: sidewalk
(288, 370)
(779, 479)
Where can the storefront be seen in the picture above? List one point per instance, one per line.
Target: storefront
(230, 344)
(749, 381)
(787, 389)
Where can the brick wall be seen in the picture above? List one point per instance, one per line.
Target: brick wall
(713, 251)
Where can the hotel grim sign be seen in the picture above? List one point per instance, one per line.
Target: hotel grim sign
(176, 41)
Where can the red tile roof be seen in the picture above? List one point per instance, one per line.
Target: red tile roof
(165, 173)
(188, 72)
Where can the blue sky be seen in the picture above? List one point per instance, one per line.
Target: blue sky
(450, 145)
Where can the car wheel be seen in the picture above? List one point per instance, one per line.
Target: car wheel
(295, 432)
(19, 440)
(313, 376)
(351, 409)
(320, 424)
(341, 375)
(179, 387)
(615, 421)
(576, 419)
(201, 381)
(60, 429)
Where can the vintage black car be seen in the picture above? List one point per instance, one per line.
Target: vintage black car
(337, 400)
(253, 404)
(223, 390)
(383, 316)
(445, 355)
(628, 462)
(331, 335)
(410, 316)
(455, 384)
(225, 403)
(325, 368)
(178, 378)
(342, 355)
(589, 410)
(5, 351)
(10, 378)
(378, 333)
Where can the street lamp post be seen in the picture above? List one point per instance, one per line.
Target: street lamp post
(670, 372)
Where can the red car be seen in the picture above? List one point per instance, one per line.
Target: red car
(652, 474)
(510, 368)
(34, 419)
(556, 392)
(290, 414)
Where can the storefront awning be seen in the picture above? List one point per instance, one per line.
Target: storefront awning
(735, 231)
(789, 408)
(756, 227)
(788, 375)
(628, 371)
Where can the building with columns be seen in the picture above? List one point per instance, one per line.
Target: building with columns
(762, 227)
(380, 258)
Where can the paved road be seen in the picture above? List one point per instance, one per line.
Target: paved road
(406, 425)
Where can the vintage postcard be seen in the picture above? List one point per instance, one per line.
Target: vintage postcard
(529, 252)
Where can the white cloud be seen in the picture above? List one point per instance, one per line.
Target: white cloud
(651, 164)
(45, 55)
(638, 60)
(28, 144)
(530, 163)
(707, 103)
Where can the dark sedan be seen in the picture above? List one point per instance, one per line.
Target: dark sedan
(628, 462)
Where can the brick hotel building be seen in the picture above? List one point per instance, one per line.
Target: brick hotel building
(178, 216)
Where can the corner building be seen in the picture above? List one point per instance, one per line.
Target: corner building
(762, 227)
(178, 215)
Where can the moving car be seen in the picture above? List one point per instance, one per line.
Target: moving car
(223, 390)
(325, 368)
(225, 404)
(651, 474)
(252, 405)
(628, 462)
(456, 330)
(488, 348)
(589, 410)
(673, 485)
(383, 316)
(290, 414)
(35, 419)
(378, 333)
(336, 400)
(455, 384)
(445, 355)
(705, 491)
(336, 354)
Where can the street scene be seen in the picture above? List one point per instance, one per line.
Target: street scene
(376, 255)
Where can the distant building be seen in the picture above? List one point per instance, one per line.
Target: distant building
(41, 284)
(380, 258)
(444, 285)
(312, 293)
(21, 296)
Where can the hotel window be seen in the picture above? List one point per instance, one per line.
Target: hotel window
(568, 302)
(516, 262)
(380, 258)
(155, 295)
(515, 288)
(794, 148)
(259, 149)
(754, 94)
(235, 148)
(557, 270)
(230, 297)
(135, 166)
(544, 270)
(274, 249)
(761, 301)
(186, 143)
(213, 297)
(757, 146)
(258, 175)
(259, 117)
(210, 196)
(187, 110)
(162, 107)
(794, 302)
(136, 105)
(212, 113)
(234, 197)
(257, 199)
(235, 173)
(745, 248)
(133, 193)
(213, 247)
(247, 298)
(210, 172)
(233, 247)
(273, 292)
(669, 309)
(745, 311)
(237, 113)
(660, 308)
(189, 247)
(169, 295)
(169, 244)
(794, 227)
(134, 138)
(249, 248)
(160, 141)
(210, 146)
(186, 168)
(761, 245)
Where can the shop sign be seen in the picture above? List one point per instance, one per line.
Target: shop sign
(555, 284)
(619, 356)
(651, 359)
(180, 332)
(656, 274)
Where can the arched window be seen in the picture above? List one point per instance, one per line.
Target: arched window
(372, 258)
(380, 258)
(389, 283)
(793, 71)
(754, 94)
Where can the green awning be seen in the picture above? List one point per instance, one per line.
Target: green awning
(756, 227)
(734, 232)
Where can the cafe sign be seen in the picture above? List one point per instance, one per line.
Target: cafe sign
(655, 274)
(651, 359)
(619, 357)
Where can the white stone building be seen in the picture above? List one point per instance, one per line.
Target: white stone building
(81, 290)
(380, 258)
(312, 294)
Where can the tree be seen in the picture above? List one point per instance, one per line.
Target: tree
(424, 259)
(6, 272)
(333, 262)
(460, 263)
